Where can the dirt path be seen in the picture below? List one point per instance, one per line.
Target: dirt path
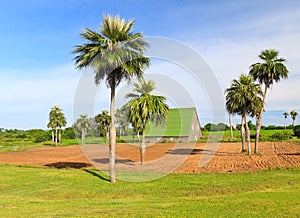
(183, 158)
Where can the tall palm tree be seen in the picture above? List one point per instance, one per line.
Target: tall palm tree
(104, 120)
(294, 115)
(57, 120)
(115, 53)
(82, 124)
(146, 107)
(285, 114)
(241, 97)
(271, 70)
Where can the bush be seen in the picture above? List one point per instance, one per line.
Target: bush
(281, 136)
(41, 137)
(69, 133)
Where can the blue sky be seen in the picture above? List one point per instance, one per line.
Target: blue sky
(37, 37)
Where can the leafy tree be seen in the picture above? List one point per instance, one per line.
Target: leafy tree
(242, 98)
(82, 125)
(122, 119)
(57, 120)
(103, 120)
(285, 114)
(146, 107)
(115, 54)
(294, 115)
(271, 70)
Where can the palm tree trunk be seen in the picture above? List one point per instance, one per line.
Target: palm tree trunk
(259, 122)
(138, 135)
(293, 123)
(82, 136)
(52, 137)
(59, 135)
(112, 134)
(247, 135)
(230, 124)
(243, 135)
(143, 146)
(107, 137)
(284, 123)
(55, 136)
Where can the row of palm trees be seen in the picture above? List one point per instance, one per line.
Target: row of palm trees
(293, 114)
(57, 120)
(245, 97)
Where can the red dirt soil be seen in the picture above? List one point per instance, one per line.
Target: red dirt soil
(227, 158)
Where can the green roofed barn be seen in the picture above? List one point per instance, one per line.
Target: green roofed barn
(182, 125)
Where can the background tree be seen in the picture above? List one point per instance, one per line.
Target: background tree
(146, 107)
(241, 97)
(115, 54)
(82, 125)
(271, 70)
(294, 115)
(285, 114)
(122, 120)
(57, 120)
(103, 120)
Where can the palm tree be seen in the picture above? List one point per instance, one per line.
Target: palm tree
(294, 115)
(271, 70)
(57, 119)
(115, 54)
(104, 120)
(82, 124)
(285, 114)
(146, 107)
(241, 98)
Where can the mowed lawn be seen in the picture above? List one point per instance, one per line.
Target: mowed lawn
(44, 192)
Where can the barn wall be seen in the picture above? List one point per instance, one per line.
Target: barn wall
(195, 132)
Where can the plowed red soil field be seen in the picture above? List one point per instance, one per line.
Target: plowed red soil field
(200, 157)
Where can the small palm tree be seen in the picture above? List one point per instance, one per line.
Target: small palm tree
(285, 114)
(241, 98)
(82, 124)
(271, 70)
(146, 107)
(104, 120)
(57, 120)
(294, 115)
(115, 54)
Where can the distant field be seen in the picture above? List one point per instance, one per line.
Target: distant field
(19, 144)
(44, 192)
(265, 135)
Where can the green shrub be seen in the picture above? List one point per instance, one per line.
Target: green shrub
(41, 137)
(297, 132)
(69, 133)
(281, 136)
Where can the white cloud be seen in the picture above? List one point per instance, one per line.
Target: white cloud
(28, 97)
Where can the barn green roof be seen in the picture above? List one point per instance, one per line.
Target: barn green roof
(178, 123)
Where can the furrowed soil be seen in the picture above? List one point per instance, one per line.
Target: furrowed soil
(193, 158)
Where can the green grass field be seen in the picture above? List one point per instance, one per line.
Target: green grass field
(43, 192)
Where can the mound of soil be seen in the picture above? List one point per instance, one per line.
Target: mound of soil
(196, 158)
